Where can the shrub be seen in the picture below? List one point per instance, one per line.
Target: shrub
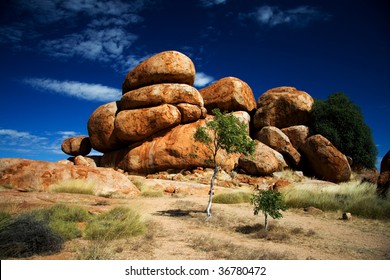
(232, 198)
(26, 236)
(342, 123)
(120, 222)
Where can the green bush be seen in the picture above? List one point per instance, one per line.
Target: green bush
(26, 236)
(342, 123)
(232, 198)
(120, 222)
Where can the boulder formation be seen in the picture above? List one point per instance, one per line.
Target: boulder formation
(76, 146)
(151, 128)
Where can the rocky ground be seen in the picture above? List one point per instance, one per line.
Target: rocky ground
(177, 228)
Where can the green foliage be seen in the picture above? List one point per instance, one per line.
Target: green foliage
(342, 123)
(26, 236)
(120, 222)
(269, 202)
(77, 186)
(228, 133)
(232, 198)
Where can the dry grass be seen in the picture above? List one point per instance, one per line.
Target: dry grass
(76, 186)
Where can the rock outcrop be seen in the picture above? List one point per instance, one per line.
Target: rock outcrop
(229, 94)
(325, 160)
(384, 176)
(283, 107)
(32, 175)
(164, 67)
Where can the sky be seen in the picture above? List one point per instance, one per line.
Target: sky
(60, 60)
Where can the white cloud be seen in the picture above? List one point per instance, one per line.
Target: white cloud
(210, 3)
(94, 92)
(300, 16)
(202, 79)
(21, 135)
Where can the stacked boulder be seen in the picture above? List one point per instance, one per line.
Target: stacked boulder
(151, 128)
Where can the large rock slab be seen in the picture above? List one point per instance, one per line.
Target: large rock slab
(101, 126)
(325, 160)
(135, 125)
(283, 107)
(264, 161)
(164, 67)
(229, 94)
(76, 146)
(277, 140)
(173, 149)
(155, 95)
(33, 175)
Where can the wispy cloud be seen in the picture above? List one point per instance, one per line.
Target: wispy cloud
(24, 144)
(92, 92)
(210, 3)
(299, 17)
(106, 37)
(202, 79)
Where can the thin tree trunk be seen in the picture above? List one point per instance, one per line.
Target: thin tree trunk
(211, 193)
(266, 221)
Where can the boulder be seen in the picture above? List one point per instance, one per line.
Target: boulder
(229, 94)
(101, 128)
(33, 175)
(91, 161)
(325, 160)
(283, 107)
(264, 162)
(383, 184)
(297, 134)
(164, 67)
(173, 149)
(135, 125)
(76, 146)
(159, 94)
(277, 140)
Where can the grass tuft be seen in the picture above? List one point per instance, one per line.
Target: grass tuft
(232, 198)
(77, 186)
(120, 222)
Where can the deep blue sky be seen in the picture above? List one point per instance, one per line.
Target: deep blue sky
(61, 59)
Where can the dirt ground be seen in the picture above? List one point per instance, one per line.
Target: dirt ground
(178, 229)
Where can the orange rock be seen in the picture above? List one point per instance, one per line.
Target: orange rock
(36, 175)
(101, 128)
(155, 95)
(297, 134)
(164, 67)
(325, 160)
(135, 125)
(76, 146)
(189, 113)
(229, 94)
(283, 107)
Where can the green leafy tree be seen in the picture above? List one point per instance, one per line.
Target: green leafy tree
(224, 132)
(269, 202)
(341, 122)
